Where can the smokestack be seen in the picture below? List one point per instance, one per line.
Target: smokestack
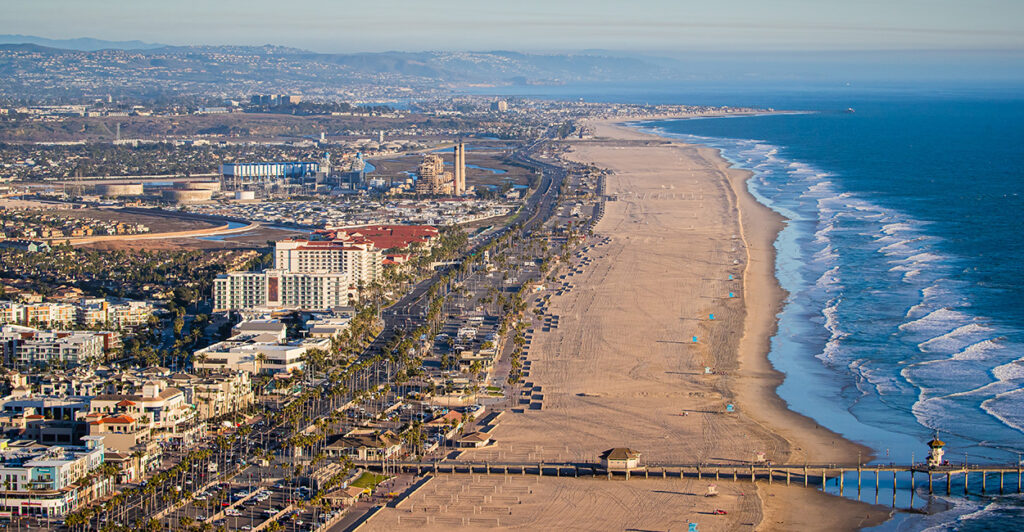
(460, 169)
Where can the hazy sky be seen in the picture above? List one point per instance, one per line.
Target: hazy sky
(533, 25)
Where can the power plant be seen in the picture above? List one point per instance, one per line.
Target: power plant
(435, 181)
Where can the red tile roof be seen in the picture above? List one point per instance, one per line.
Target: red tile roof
(115, 419)
(383, 236)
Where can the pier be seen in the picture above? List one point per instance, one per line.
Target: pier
(948, 480)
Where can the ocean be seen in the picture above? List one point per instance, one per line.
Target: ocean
(902, 258)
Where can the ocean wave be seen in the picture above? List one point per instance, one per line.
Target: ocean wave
(821, 236)
(955, 339)
(943, 318)
(1006, 408)
(829, 279)
(902, 247)
(978, 350)
(917, 311)
(898, 227)
(826, 254)
(915, 338)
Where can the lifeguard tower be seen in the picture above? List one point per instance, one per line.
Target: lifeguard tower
(936, 452)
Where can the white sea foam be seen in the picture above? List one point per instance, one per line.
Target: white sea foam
(826, 254)
(944, 317)
(829, 279)
(822, 235)
(902, 247)
(955, 339)
(1006, 407)
(917, 311)
(898, 227)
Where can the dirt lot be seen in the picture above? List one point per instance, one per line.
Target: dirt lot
(248, 240)
(156, 224)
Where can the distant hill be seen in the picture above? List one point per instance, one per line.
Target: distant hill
(85, 44)
(62, 69)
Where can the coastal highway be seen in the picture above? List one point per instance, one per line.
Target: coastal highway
(408, 312)
(404, 314)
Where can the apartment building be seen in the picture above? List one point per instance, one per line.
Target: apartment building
(87, 312)
(92, 312)
(47, 314)
(23, 347)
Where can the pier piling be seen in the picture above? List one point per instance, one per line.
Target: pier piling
(894, 488)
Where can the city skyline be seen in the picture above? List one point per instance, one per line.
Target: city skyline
(649, 25)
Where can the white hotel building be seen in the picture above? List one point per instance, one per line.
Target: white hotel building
(360, 260)
(308, 275)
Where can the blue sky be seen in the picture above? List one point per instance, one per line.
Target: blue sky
(535, 25)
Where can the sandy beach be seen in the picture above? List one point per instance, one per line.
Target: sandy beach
(614, 363)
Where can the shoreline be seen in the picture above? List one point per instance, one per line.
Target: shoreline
(756, 381)
(759, 229)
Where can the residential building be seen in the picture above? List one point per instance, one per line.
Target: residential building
(87, 312)
(24, 347)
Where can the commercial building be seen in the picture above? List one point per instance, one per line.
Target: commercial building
(248, 176)
(159, 408)
(217, 392)
(41, 480)
(257, 353)
(386, 237)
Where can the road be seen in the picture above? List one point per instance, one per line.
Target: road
(404, 314)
